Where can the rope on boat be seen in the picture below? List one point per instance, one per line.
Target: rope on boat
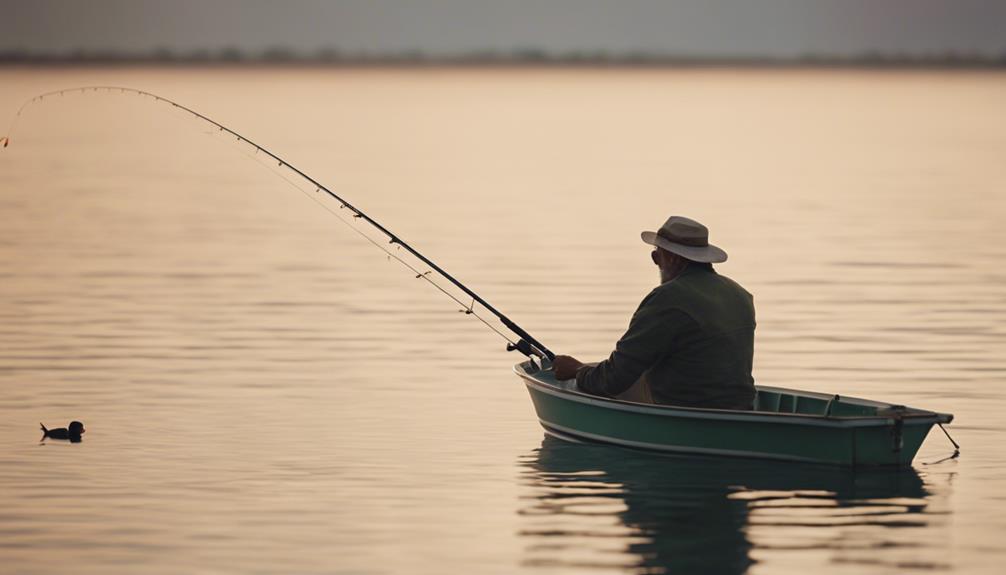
(525, 343)
(957, 448)
(956, 453)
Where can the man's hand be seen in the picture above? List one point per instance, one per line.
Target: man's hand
(565, 367)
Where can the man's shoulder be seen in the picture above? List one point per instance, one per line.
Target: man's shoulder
(732, 283)
(662, 291)
(672, 294)
(699, 283)
(704, 279)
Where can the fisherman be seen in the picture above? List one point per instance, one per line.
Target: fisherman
(692, 337)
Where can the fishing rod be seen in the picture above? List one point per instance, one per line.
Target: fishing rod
(525, 343)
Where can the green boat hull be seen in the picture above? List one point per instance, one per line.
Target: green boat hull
(786, 424)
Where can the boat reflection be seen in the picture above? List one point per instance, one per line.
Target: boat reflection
(594, 506)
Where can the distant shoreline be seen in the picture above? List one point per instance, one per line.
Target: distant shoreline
(517, 60)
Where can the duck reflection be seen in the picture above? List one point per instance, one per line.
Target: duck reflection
(605, 507)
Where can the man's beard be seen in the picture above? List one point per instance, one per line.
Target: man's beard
(666, 275)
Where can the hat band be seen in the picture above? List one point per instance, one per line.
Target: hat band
(690, 242)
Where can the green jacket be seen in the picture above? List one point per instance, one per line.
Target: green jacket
(693, 339)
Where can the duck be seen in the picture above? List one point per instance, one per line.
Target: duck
(71, 432)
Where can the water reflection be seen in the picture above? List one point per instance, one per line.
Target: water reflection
(602, 507)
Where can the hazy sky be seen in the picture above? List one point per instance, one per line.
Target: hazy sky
(773, 28)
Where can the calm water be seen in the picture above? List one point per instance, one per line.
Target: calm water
(265, 393)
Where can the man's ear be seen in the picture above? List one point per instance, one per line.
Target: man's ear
(654, 257)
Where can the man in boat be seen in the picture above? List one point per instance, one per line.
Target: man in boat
(692, 338)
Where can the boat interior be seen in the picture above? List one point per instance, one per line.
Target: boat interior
(783, 401)
(772, 400)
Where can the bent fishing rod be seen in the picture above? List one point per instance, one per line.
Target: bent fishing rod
(525, 343)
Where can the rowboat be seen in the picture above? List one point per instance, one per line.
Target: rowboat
(786, 424)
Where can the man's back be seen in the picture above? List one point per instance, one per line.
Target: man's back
(693, 340)
(708, 364)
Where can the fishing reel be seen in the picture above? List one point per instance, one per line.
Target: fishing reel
(524, 347)
(539, 359)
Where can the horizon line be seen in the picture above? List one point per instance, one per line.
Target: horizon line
(331, 57)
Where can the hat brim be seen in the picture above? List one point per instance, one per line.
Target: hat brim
(706, 254)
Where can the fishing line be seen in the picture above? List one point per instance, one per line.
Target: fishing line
(526, 344)
(468, 309)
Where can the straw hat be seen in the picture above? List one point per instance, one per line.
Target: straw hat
(687, 238)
